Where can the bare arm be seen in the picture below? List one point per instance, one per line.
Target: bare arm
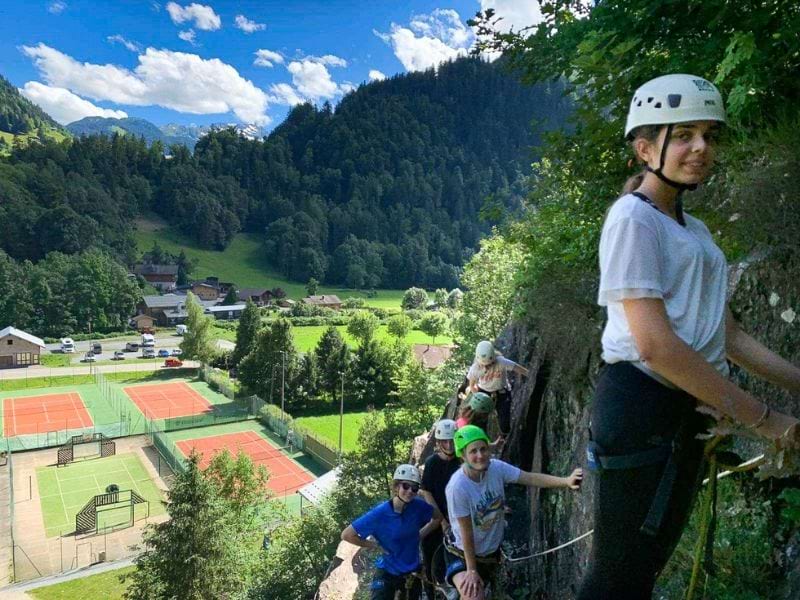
(437, 512)
(669, 356)
(542, 480)
(750, 354)
(349, 535)
(465, 525)
(430, 526)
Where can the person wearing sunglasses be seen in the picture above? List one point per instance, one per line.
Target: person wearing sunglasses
(397, 525)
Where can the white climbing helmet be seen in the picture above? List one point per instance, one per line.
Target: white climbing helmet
(445, 429)
(484, 352)
(674, 99)
(407, 473)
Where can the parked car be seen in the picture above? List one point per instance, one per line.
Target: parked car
(173, 362)
(177, 352)
(118, 355)
(148, 340)
(131, 346)
(148, 353)
(180, 330)
(88, 357)
(163, 353)
(67, 345)
(97, 348)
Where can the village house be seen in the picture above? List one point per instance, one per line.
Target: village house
(226, 313)
(167, 310)
(162, 277)
(204, 290)
(259, 296)
(143, 322)
(432, 357)
(327, 301)
(18, 348)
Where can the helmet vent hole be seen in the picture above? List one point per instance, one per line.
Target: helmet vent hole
(658, 105)
(674, 100)
(650, 99)
(640, 103)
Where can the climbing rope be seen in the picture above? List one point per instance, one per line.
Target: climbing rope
(508, 559)
(704, 550)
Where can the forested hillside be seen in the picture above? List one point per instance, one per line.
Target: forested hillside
(385, 191)
(22, 119)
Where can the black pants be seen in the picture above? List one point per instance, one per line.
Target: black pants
(631, 412)
(429, 545)
(385, 585)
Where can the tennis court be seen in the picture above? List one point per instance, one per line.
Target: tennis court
(168, 400)
(48, 412)
(286, 475)
(63, 491)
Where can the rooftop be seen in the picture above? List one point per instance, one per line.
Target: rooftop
(21, 335)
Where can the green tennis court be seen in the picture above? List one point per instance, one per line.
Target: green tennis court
(63, 491)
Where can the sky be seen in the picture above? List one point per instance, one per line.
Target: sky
(222, 61)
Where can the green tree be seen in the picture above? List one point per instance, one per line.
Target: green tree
(272, 362)
(363, 325)
(440, 297)
(197, 342)
(414, 298)
(454, 299)
(198, 553)
(434, 324)
(488, 301)
(331, 353)
(312, 287)
(231, 297)
(399, 326)
(249, 324)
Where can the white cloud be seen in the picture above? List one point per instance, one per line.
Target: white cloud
(118, 39)
(176, 80)
(375, 75)
(312, 79)
(429, 39)
(64, 106)
(247, 25)
(267, 58)
(283, 93)
(329, 60)
(56, 7)
(516, 14)
(188, 35)
(203, 16)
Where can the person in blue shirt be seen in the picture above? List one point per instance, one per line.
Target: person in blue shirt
(397, 526)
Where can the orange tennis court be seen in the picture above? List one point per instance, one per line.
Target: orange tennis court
(39, 414)
(167, 400)
(285, 475)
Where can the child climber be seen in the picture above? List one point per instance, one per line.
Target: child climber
(475, 503)
(488, 375)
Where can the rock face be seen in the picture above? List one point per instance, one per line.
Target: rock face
(549, 436)
(342, 580)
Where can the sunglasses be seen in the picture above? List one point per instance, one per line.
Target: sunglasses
(409, 486)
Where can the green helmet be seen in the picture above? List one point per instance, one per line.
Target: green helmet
(480, 402)
(468, 434)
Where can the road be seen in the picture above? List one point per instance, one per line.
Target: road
(168, 342)
(121, 367)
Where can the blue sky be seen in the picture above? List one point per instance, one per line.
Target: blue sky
(223, 61)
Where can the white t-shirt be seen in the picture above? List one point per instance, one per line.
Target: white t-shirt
(484, 502)
(646, 254)
(491, 378)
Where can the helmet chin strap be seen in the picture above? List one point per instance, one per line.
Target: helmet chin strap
(659, 172)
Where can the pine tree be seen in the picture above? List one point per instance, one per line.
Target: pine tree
(249, 324)
(197, 342)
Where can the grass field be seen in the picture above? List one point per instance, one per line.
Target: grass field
(54, 360)
(243, 263)
(105, 586)
(63, 491)
(327, 426)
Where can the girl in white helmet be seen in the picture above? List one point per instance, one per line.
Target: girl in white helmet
(396, 526)
(666, 344)
(488, 374)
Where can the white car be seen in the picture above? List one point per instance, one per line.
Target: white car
(88, 357)
(177, 352)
